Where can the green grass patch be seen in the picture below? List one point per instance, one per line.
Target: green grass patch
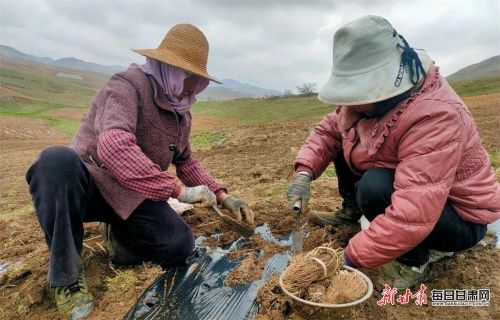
(49, 84)
(205, 140)
(329, 172)
(122, 282)
(467, 88)
(66, 126)
(256, 111)
(495, 158)
(14, 106)
(41, 94)
(47, 88)
(35, 110)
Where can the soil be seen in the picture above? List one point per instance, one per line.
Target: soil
(255, 162)
(272, 301)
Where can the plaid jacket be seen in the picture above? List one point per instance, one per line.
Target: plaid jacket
(129, 138)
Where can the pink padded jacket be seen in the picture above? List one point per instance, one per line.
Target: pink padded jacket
(431, 140)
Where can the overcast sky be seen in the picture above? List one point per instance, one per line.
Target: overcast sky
(272, 44)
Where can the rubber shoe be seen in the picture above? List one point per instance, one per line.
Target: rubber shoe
(401, 276)
(75, 299)
(435, 255)
(348, 214)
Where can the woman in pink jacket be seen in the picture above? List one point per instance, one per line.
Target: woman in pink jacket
(407, 155)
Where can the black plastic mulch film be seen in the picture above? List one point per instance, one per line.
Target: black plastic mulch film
(197, 290)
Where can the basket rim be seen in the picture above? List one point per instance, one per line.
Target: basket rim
(368, 294)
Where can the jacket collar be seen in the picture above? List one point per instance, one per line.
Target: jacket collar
(348, 117)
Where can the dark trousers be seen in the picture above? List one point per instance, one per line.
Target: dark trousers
(65, 196)
(372, 193)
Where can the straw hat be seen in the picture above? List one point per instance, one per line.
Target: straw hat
(184, 46)
(370, 63)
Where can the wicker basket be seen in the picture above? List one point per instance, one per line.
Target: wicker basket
(314, 310)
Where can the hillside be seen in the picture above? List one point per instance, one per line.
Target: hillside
(258, 111)
(219, 93)
(230, 89)
(32, 90)
(246, 89)
(47, 84)
(29, 89)
(467, 88)
(489, 68)
(72, 63)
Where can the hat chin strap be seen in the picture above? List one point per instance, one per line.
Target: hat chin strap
(410, 58)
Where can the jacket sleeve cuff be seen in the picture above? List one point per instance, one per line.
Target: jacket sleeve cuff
(219, 193)
(176, 189)
(304, 168)
(348, 261)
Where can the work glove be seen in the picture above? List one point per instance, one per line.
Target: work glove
(201, 196)
(300, 190)
(237, 207)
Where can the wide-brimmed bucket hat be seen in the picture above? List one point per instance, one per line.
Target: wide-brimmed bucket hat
(372, 63)
(184, 46)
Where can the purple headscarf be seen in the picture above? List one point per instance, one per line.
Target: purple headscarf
(171, 79)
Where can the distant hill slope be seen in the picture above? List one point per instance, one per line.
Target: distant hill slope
(233, 89)
(72, 63)
(9, 52)
(219, 93)
(29, 67)
(230, 89)
(246, 89)
(489, 68)
(24, 82)
(467, 88)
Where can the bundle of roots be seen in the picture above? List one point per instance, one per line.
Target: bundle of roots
(316, 292)
(309, 268)
(316, 276)
(345, 287)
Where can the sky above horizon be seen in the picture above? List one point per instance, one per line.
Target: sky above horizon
(271, 44)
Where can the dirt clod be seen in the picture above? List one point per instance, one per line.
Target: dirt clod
(271, 299)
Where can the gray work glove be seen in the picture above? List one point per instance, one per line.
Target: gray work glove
(300, 190)
(201, 196)
(238, 206)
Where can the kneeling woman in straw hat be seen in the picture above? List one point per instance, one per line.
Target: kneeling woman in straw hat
(116, 169)
(406, 152)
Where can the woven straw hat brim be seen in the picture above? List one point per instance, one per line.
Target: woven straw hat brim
(173, 59)
(369, 87)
